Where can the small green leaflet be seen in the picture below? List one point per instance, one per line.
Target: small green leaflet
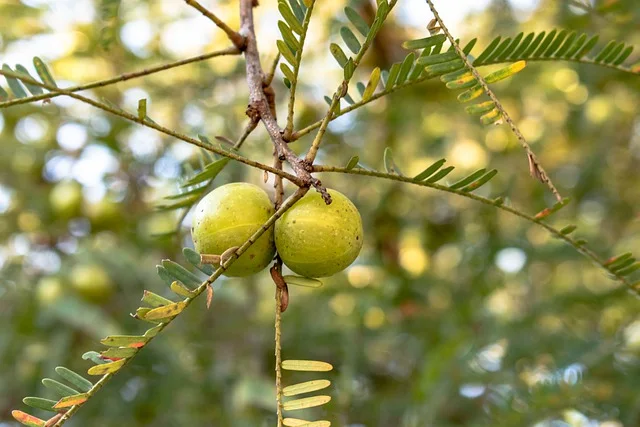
(338, 54)
(358, 22)
(350, 40)
(74, 379)
(353, 161)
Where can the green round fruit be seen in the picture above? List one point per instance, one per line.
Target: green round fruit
(66, 199)
(104, 213)
(227, 217)
(92, 282)
(318, 240)
(48, 290)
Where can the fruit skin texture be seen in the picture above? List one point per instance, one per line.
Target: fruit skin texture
(318, 240)
(92, 282)
(227, 217)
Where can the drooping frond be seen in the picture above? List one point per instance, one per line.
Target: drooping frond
(21, 89)
(297, 17)
(559, 45)
(449, 68)
(305, 387)
(68, 396)
(620, 268)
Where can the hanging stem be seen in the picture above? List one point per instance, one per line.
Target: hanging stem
(278, 353)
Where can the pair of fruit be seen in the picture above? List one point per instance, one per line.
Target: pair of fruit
(67, 202)
(90, 281)
(312, 238)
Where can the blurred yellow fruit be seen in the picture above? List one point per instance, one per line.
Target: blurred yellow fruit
(103, 213)
(48, 290)
(92, 282)
(66, 199)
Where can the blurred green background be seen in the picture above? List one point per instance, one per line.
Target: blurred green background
(455, 314)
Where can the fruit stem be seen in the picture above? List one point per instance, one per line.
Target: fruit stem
(278, 353)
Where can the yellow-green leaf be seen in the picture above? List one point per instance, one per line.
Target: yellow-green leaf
(352, 162)
(154, 300)
(505, 72)
(338, 54)
(289, 16)
(181, 289)
(27, 420)
(492, 116)
(296, 422)
(306, 365)
(305, 387)
(134, 341)
(142, 108)
(166, 311)
(302, 281)
(463, 82)
(372, 85)
(307, 402)
(470, 94)
(118, 352)
(150, 333)
(69, 401)
(288, 73)
(481, 108)
(107, 368)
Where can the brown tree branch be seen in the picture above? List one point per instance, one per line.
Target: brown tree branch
(153, 125)
(122, 77)
(259, 108)
(237, 39)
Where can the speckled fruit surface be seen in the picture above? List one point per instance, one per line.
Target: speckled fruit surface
(318, 240)
(227, 217)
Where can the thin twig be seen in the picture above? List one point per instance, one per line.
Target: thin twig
(121, 78)
(237, 39)
(259, 106)
(308, 129)
(278, 354)
(535, 168)
(247, 131)
(339, 94)
(282, 302)
(296, 69)
(237, 145)
(268, 79)
(277, 184)
(153, 125)
(579, 247)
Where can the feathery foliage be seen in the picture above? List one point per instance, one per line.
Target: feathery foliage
(435, 56)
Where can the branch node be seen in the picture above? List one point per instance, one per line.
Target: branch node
(253, 112)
